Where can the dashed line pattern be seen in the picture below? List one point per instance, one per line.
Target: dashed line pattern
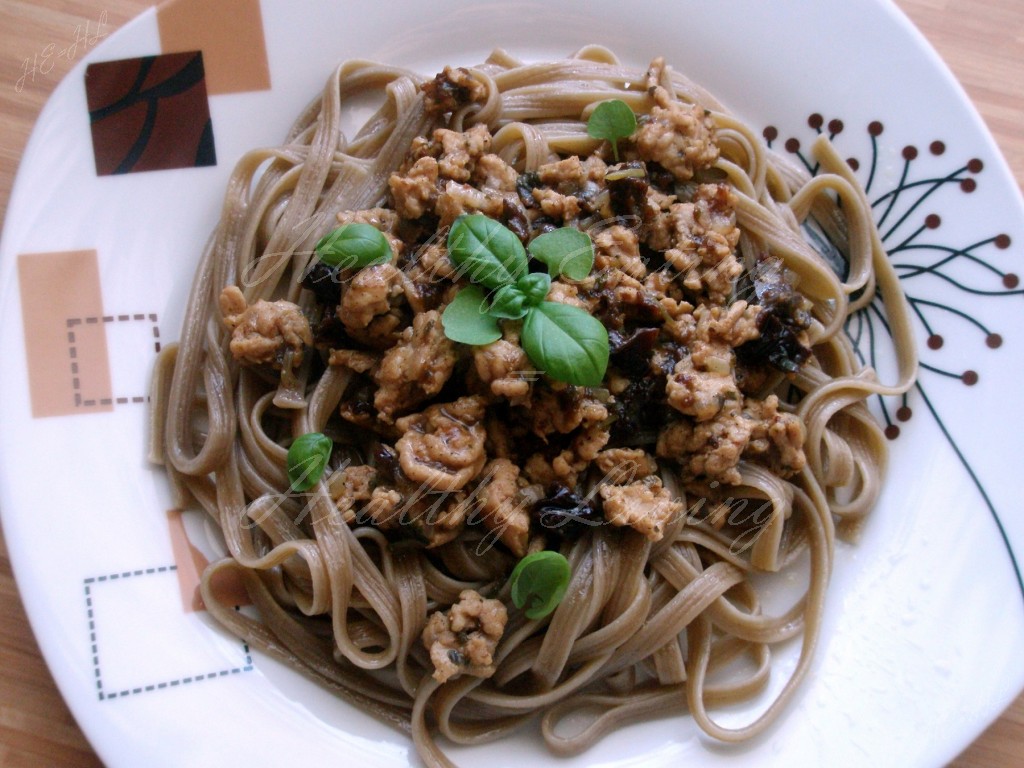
(73, 322)
(94, 647)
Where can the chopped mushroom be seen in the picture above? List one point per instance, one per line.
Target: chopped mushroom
(457, 199)
(463, 640)
(353, 359)
(624, 465)
(618, 248)
(505, 368)
(701, 394)
(460, 151)
(415, 191)
(351, 485)
(443, 447)
(452, 89)
(503, 511)
(704, 237)
(366, 308)
(679, 137)
(415, 368)
(645, 506)
(266, 331)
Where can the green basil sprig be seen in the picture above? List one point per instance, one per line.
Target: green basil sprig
(566, 251)
(539, 582)
(572, 343)
(509, 303)
(467, 318)
(565, 341)
(536, 285)
(307, 460)
(612, 120)
(354, 246)
(486, 251)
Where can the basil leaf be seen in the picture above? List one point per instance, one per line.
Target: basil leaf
(509, 303)
(612, 120)
(307, 459)
(466, 319)
(539, 582)
(354, 246)
(487, 251)
(567, 343)
(535, 286)
(566, 251)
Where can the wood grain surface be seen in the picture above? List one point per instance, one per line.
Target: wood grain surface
(981, 40)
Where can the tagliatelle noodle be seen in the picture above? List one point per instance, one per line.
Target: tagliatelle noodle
(644, 627)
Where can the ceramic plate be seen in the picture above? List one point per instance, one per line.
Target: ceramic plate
(921, 646)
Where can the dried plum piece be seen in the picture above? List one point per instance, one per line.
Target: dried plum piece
(565, 514)
(325, 283)
(450, 90)
(592, 198)
(638, 412)
(782, 320)
(514, 217)
(542, 225)
(616, 314)
(653, 260)
(385, 460)
(630, 351)
(431, 293)
(329, 332)
(525, 184)
(627, 190)
(661, 178)
(779, 344)
(357, 408)
(358, 400)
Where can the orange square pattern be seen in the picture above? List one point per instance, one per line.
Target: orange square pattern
(230, 35)
(68, 364)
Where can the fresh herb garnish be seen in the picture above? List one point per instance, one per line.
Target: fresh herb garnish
(539, 582)
(468, 320)
(535, 286)
(572, 344)
(354, 246)
(486, 251)
(307, 460)
(566, 251)
(565, 341)
(509, 303)
(612, 120)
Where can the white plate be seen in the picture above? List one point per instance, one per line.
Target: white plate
(924, 628)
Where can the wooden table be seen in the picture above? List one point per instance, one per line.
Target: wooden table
(982, 40)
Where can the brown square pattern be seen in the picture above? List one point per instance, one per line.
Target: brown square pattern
(149, 113)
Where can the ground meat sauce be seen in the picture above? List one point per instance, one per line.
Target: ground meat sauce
(475, 436)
